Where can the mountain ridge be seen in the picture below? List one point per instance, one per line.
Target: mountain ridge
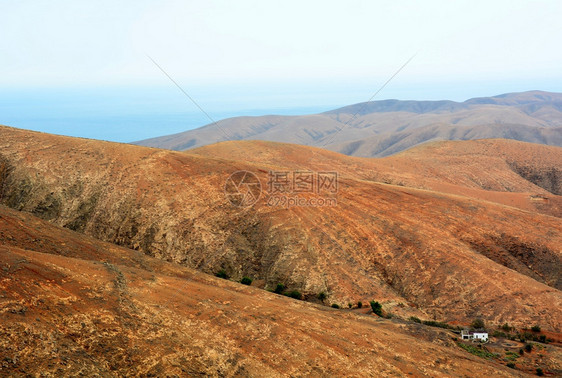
(533, 116)
(409, 237)
(73, 305)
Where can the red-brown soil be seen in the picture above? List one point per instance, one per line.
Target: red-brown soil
(427, 233)
(72, 305)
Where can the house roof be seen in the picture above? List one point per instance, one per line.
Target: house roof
(473, 331)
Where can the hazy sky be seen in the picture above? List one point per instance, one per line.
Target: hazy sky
(105, 42)
(287, 53)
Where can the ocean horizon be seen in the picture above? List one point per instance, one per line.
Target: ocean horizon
(127, 128)
(128, 115)
(131, 113)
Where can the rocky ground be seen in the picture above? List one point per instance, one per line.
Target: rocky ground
(77, 306)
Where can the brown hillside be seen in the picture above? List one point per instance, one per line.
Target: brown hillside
(523, 175)
(72, 305)
(418, 251)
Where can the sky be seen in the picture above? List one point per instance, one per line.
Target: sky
(85, 66)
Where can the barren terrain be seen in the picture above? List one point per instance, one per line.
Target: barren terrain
(72, 305)
(438, 241)
(382, 128)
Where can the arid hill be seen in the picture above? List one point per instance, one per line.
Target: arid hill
(428, 242)
(72, 305)
(522, 175)
(382, 128)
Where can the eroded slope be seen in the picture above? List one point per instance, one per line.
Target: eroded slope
(90, 308)
(420, 252)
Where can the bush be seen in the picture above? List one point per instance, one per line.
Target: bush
(511, 356)
(359, 304)
(222, 274)
(521, 351)
(280, 288)
(295, 294)
(528, 348)
(536, 328)
(335, 305)
(322, 296)
(506, 327)
(415, 319)
(246, 281)
(434, 323)
(526, 336)
(350, 305)
(478, 323)
(376, 307)
(511, 365)
(477, 351)
(540, 372)
(542, 339)
(497, 333)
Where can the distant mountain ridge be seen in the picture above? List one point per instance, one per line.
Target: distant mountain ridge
(382, 128)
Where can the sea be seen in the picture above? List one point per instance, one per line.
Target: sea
(132, 114)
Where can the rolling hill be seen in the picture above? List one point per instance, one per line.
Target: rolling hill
(382, 128)
(448, 231)
(522, 175)
(73, 305)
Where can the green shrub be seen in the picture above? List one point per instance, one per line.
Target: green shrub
(322, 296)
(540, 372)
(350, 305)
(433, 323)
(497, 333)
(506, 327)
(542, 339)
(359, 304)
(477, 351)
(478, 323)
(415, 319)
(525, 336)
(335, 305)
(279, 289)
(536, 328)
(246, 281)
(528, 348)
(521, 351)
(511, 365)
(222, 274)
(376, 307)
(511, 356)
(295, 294)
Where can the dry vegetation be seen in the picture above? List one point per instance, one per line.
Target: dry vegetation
(72, 305)
(448, 231)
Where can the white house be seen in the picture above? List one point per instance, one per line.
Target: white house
(480, 335)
